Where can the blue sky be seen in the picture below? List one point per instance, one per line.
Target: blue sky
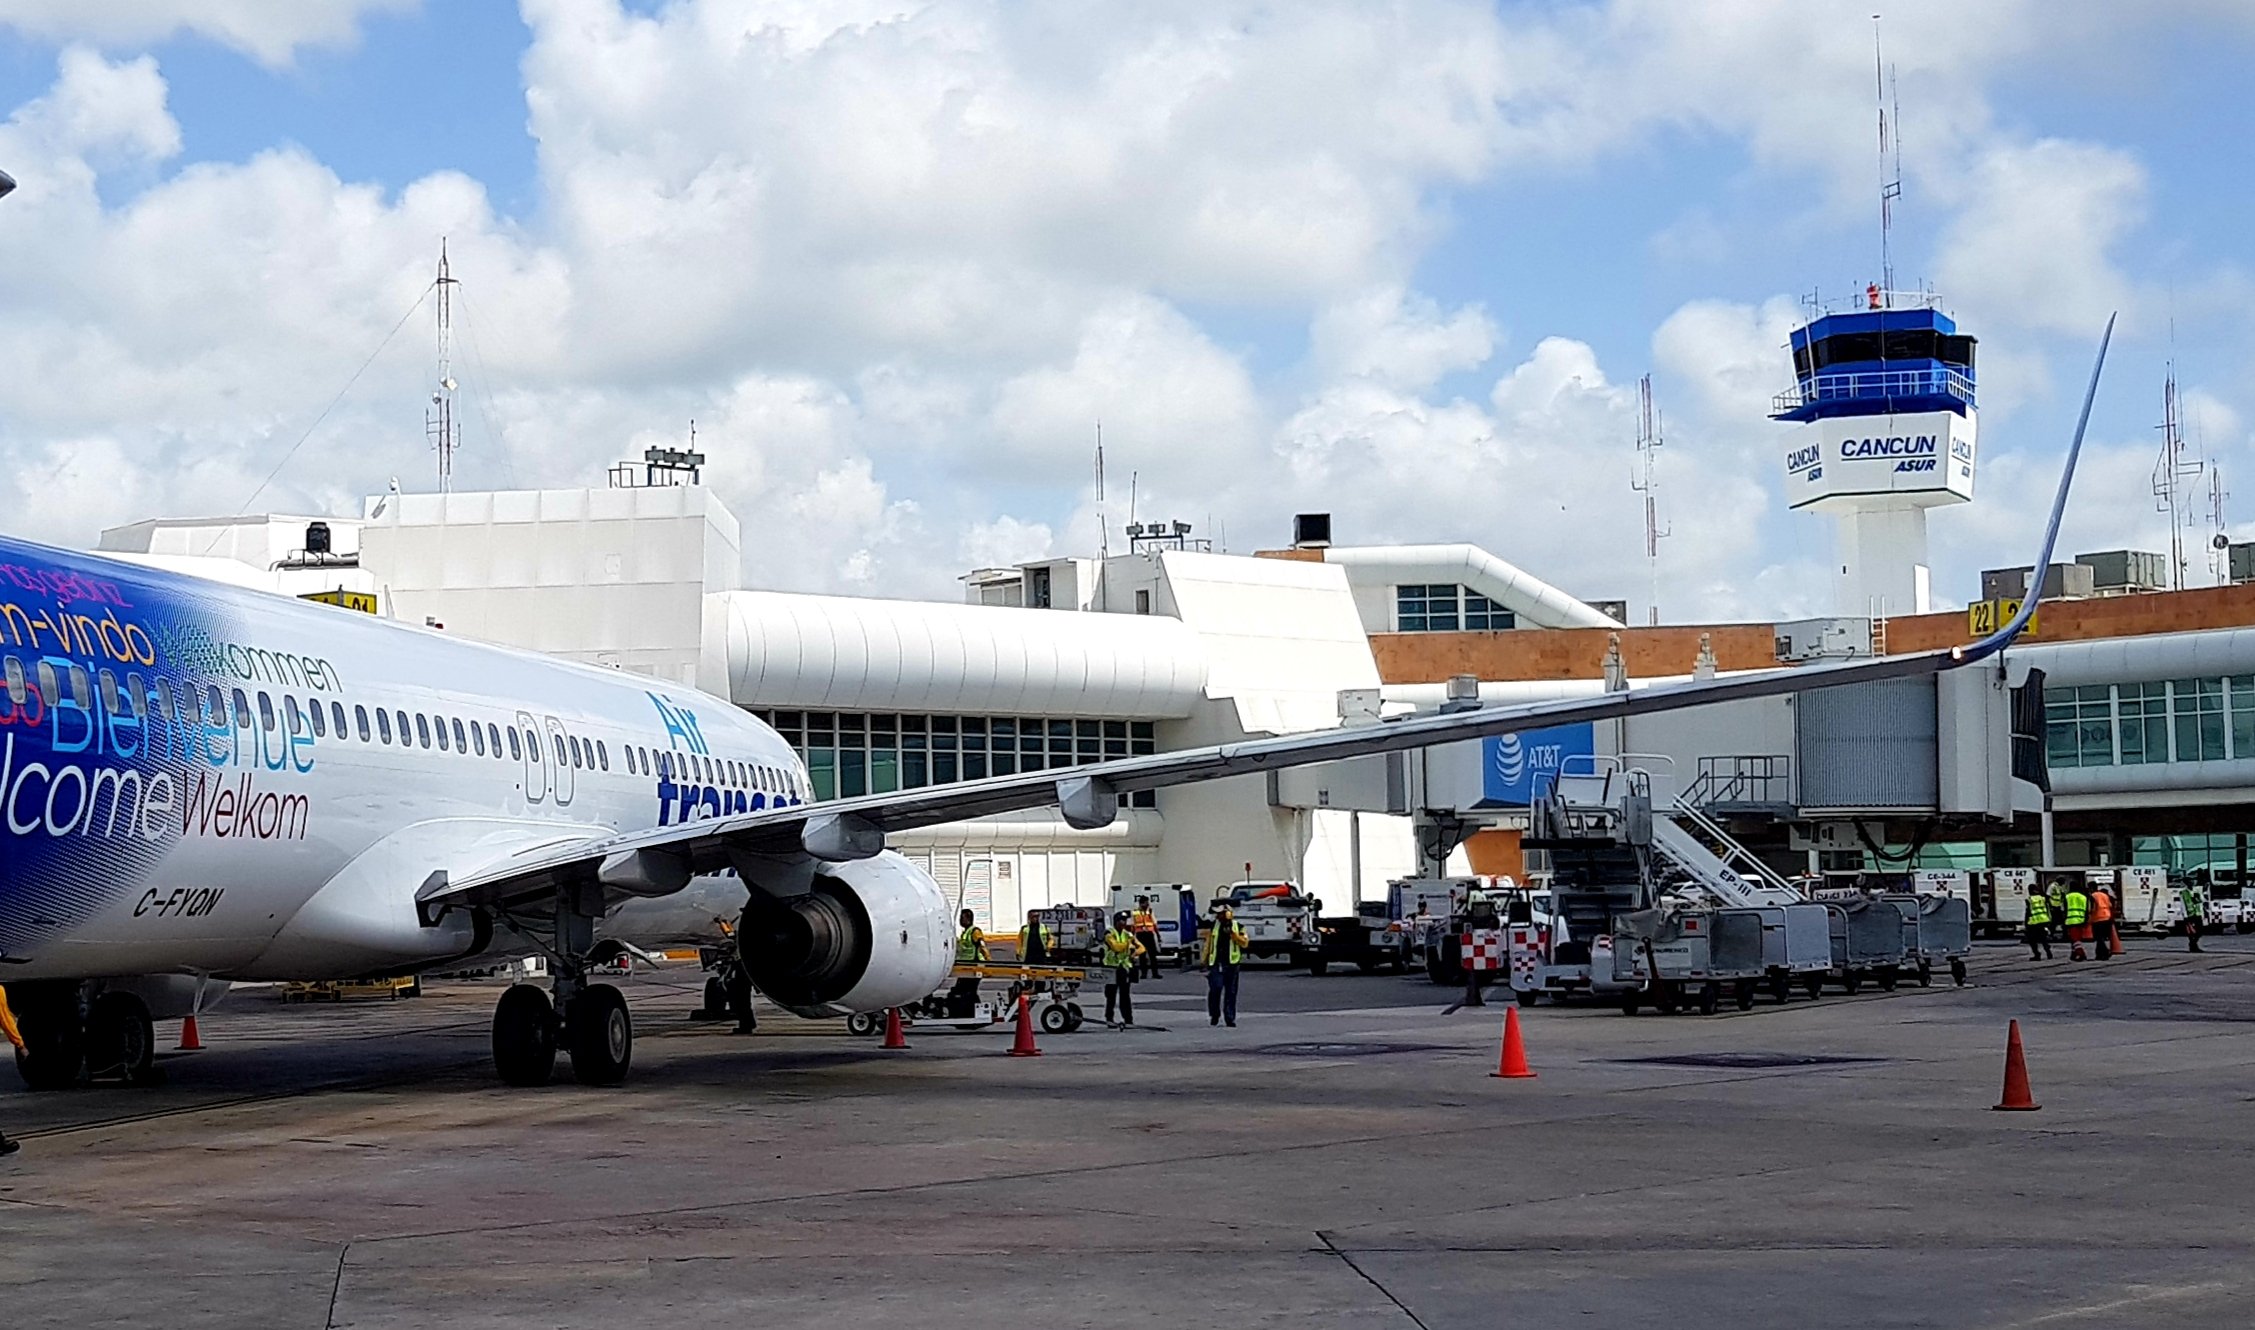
(1406, 265)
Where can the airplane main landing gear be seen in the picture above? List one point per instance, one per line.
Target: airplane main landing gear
(588, 1021)
(75, 1031)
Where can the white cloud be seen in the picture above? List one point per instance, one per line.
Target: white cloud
(1399, 338)
(269, 31)
(2032, 247)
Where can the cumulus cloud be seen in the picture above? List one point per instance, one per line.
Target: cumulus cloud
(267, 31)
(898, 258)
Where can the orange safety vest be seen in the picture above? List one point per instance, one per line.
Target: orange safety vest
(2102, 906)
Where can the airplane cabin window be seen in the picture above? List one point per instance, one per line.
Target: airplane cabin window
(603, 754)
(242, 710)
(439, 723)
(265, 712)
(47, 690)
(516, 754)
(493, 737)
(19, 691)
(81, 688)
(360, 720)
(383, 724)
(320, 719)
(558, 741)
(422, 729)
(459, 746)
(164, 697)
(337, 716)
(477, 738)
(109, 692)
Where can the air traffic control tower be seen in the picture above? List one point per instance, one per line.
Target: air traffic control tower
(1883, 395)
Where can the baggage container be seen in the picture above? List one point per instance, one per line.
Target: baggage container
(1867, 942)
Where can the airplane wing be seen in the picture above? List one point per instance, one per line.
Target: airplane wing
(661, 860)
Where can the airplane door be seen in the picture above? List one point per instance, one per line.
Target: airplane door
(536, 763)
(563, 779)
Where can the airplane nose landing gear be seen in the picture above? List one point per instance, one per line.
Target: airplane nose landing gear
(589, 1021)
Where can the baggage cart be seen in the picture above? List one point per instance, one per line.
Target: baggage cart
(1681, 958)
(1796, 948)
(1937, 930)
(1052, 991)
(1867, 942)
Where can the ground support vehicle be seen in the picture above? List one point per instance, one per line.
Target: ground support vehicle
(1074, 930)
(2000, 900)
(1052, 990)
(1366, 939)
(2148, 902)
(1937, 930)
(1424, 908)
(1279, 923)
(1678, 958)
(1867, 941)
(1166, 911)
(337, 990)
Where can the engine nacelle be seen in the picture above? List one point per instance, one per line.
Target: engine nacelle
(872, 934)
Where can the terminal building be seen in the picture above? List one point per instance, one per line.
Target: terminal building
(2146, 724)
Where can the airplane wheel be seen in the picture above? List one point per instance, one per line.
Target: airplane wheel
(862, 1023)
(120, 1040)
(54, 1051)
(524, 1036)
(600, 1034)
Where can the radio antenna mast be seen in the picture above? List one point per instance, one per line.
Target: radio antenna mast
(2174, 473)
(1890, 163)
(439, 422)
(1645, 482)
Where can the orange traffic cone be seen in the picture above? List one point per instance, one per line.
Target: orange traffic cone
(1513, 1064)
(2016, 1096)
(895, 1036)
(1023, 1045)
(189, 1043)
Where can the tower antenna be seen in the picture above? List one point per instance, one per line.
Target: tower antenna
(2174, 474)
(439, 422)
(1890, 164)
(1645, 482)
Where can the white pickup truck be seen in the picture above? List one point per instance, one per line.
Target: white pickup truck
(1278, 922)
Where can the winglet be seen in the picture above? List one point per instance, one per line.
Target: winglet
(2000, 639)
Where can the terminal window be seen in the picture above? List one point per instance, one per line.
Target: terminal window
(2134, 724)
(1447, 607)
(855, 753)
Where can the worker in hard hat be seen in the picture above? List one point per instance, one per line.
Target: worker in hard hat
(2104, 940)
(2035, 930)
(1145, 925)
(1121, 950)
(1224, 954)
(15, 1041)
(2078, 917)
(970, 949)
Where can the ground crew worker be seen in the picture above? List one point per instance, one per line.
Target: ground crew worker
(15, 1040)
(1145, 925)
(2105, 940)
(2195, 907)
(1224, 952)
(970, 949)
(1122, 949)
(2078, 916)
(1033, 941)
(2036, 931)
(1186, 924)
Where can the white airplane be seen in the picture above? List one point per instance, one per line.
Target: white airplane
(199, 780)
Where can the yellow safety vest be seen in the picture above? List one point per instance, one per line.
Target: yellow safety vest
(2039, 910)
(1120, 948)
(2078, 909)
(8, 1021)
(1025, 939)
(970, 946)
(1237, 941)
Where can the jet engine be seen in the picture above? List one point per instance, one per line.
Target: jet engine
(872, 934)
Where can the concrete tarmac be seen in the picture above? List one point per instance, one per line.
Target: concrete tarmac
(1342, 1158)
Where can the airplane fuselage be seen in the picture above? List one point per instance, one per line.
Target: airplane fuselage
(197, 777)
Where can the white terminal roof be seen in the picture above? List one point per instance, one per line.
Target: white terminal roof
(1537, 602)
(832, 652)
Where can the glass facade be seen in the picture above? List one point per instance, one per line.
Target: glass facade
(1446, 607)
(851, 753)
(2132, 724)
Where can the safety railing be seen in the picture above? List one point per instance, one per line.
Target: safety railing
(1876, 386)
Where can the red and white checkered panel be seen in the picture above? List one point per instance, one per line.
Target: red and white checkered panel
(1529, 949)
(1483, 949)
